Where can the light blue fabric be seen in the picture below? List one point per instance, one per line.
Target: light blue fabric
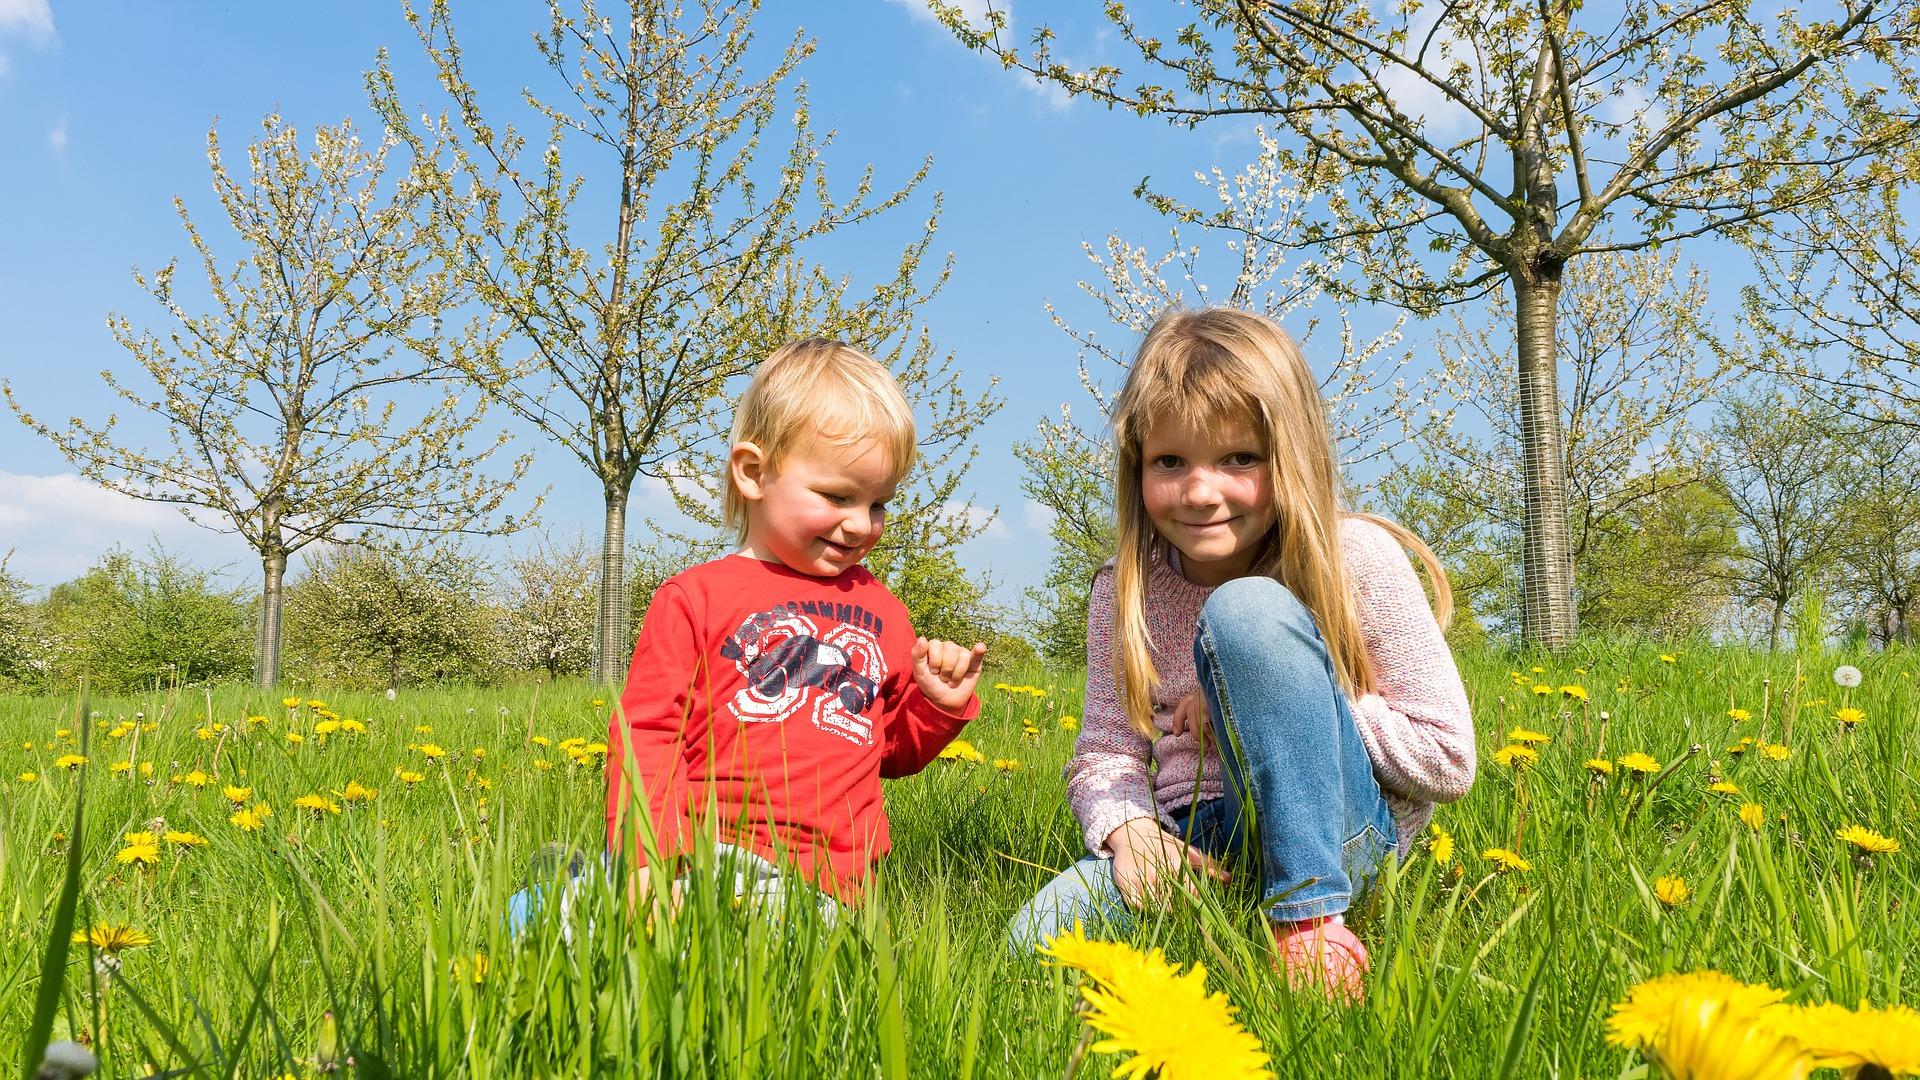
(1303, 814)
(755, 880)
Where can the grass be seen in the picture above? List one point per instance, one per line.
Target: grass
(376, 933)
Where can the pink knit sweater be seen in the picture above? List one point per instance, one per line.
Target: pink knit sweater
(1417, 728)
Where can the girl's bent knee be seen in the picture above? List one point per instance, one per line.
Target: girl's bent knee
(1252, 599)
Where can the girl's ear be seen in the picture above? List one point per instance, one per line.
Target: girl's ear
(747, 464)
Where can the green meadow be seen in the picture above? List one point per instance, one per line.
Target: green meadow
(363, 932)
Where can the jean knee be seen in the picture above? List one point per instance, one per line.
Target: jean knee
(1252, 600)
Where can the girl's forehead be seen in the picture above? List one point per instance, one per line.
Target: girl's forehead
(1178, 429)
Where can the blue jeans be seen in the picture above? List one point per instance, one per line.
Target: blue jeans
(1302, 811)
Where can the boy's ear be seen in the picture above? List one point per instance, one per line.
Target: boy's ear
(747, 464)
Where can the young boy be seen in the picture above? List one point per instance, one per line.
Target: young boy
(773, 688)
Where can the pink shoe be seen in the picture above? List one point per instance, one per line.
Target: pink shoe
(1320, 954)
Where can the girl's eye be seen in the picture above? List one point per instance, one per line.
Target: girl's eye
(1243, 459)
(1167, 461)
(879, 509)
(834, 500)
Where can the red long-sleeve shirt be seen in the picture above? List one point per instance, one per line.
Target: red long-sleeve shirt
(766, 705)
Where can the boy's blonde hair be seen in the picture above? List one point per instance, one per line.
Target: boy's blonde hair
(826, 389)
(1219, 365)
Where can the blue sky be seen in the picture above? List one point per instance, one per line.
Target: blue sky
(104, 109)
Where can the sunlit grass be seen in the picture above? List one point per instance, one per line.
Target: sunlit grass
(387, 914)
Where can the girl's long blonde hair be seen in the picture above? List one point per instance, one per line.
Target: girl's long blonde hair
(1217, 365)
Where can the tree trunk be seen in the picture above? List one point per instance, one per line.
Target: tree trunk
(610, 621)
(266, 656)
(1773, 628)
(1547, 568)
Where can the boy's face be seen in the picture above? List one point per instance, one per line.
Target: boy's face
(822, 509)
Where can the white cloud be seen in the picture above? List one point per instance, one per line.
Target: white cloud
(57, 138)
(974, 11)
(1629, 102)
(57, 526)
(1038, 516)
(31, 19)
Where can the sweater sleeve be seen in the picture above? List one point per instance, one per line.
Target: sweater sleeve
(917, 730)
(1108, 783)
(1417, 726)
(648, 734)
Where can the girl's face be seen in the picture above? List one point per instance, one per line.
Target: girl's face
(1209, 493)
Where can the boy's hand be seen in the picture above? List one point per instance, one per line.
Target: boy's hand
(946, 672)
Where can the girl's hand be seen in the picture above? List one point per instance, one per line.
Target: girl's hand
(1190, 714)
(946, 672)
(1146, 857)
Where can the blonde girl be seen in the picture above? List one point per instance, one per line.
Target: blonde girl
(1268, 690)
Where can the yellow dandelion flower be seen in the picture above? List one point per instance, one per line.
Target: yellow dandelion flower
(1440, 846)
(1173, 1028)
(1850, 1040)
(296, 738)
(1849, 716)
(139, 837)
(183, 838)
(1738, 715)
(359, 792)
(196, 778)
(1101, 961)
(542, 764)
(146, 854)
(1538, 670)
(246, 820)
(111, 937)
(423, 729)
(1867, 840)
(326, 727)
(409, 777)
(256, 721)
(319, 804)
(1542, 689)
(70, 761)
(541, 740)
(235, 794)
(1599, 766)
(1752, 816)
(962, 750)
(1528, 737)
(1672, 891)
(29, 777)
(479, 753)
(1668, 658)
(1724, 787)
(1516, 756)
(1774, 752)
(1643, 1019)
(1069, 723)
(316, 704)
(1574, 691)
(431, 752)
(1504, 860)
(597, 702)
(1638, 762)
(1006, 764)
(119, 767)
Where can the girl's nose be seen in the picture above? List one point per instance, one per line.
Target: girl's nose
(1201, 487)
